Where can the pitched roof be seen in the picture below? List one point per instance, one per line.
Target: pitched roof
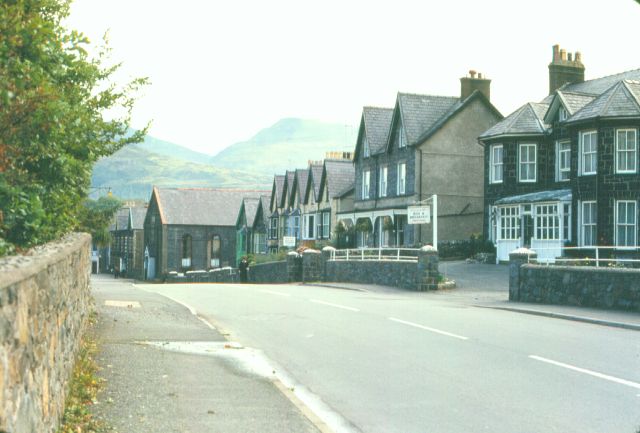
(620, 100)
(338, 175)
(290, 176)
(419, 113)
(201, 206)
(122, 219)
(526, 120)
(138, 213)
(302, 177)
(573, 101)
(265, 201)
(538, 196)
(600, 85)
(278, 186)
(315, 177)
(377, 122)
(250, 209)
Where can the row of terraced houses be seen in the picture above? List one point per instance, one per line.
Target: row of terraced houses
(560, 172)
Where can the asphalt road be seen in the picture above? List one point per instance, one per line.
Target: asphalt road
(406, 362)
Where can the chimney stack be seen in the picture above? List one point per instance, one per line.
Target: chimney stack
(564, 68)
(471, 83)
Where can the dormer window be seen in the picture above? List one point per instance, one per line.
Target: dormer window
(366, 149)
(562, 114)
(400, 138)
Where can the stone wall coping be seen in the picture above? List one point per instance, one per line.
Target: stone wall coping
(311, 251)
(587, 269)
(14, 269)
(523, 252)
(292, 253)
(328, 248)
(269, 263)
(429, 249)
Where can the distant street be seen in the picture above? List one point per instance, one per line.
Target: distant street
(419, 362)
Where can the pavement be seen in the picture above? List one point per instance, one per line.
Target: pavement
(487, 286)
(167, 370)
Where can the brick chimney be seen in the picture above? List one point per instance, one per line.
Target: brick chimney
(564, 68)
(473, 82)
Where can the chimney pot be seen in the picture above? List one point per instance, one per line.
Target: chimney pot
(556, 53)
(480, 75)
(472, 73)
(570, 57)
(563, 54)
(578, 56)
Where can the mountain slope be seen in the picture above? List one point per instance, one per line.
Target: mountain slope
(173, 150)
(288, 144)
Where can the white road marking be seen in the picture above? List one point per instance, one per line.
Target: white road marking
(123, 304)
(273, 292)
(426, 328)
(589, 372)
(334, 305)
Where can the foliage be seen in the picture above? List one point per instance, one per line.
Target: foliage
(54, 102)
(364, 225)
(96, 216)
(83, 389)
(280, 256)
(465, 248)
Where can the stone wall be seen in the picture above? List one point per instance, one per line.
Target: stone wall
(274, 272)
(44, 304)
(397, 274)
(219, 275)
(615, 288)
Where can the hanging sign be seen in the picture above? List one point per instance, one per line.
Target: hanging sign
(419, 214)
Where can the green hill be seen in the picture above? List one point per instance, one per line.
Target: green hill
(173, 150)
(288, 144)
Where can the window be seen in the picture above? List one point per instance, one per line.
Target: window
(325, 225)
(186, 251)
(400, 138)
(566, 221)
(510, 222)
(383, 182)
(562, 114)
(309, 227)
(589, 220)
(366, 178)
(626, 232)
(547, 222)
(215, 251)
(273, 228)
(402, 175)
(626, 151)
(563, 160)
(400, 222)
(366, 152)
(588, 152)
(496, 164)
(295, 227)
(527, 165)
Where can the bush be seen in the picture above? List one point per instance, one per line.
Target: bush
(53, 98)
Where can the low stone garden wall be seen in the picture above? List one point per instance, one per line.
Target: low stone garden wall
(273, 272)
(44, 305)
(396, 274)
(586, 286)
(220, 275)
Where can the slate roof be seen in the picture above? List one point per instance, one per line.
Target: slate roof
(315, 178)
(122, 219)
(537, 197)
(338, 175)
(420, 113)
(278, 181)
(265, 201)
(250, 209)
(620, 100)
(201, 206)
(377, 122)
(290, 176)
(526, 120)
(574, 101)
(302, 177)
(138, 214)
(600, 85)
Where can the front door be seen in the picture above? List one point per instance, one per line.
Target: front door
(527, 229)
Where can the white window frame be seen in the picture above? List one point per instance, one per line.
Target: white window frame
(326, 225)
(592, 223)
(592, 153)
(509, 223)
(382, 182)
(402, 141)
(562, 114)
(547, 222)
(295, 227)
(309, 225)
(631, 153)
(627, 225)
(563, 173)
(401, 179)
(566, 221)
(366, 182)
(365, 146)
(528, 162)
(495, 166)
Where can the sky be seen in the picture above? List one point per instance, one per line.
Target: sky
(222, 70)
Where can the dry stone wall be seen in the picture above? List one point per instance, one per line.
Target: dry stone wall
(44, 304)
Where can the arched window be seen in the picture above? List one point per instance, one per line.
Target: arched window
(186, 251)
(215, 251)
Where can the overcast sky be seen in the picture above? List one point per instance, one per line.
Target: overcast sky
(222, 70)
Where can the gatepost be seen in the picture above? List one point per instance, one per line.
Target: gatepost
(428, 273)
(517, 258)
(312, 265)
(294, 267)
(327, 252)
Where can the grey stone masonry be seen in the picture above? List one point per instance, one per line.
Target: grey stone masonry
(44, 305)
(326, 256)
(294, 267)
(428, 273)
(312, 265)
(517, 258)
(273, 273)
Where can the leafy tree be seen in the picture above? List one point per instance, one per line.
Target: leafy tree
(96, 216)
(54, 101)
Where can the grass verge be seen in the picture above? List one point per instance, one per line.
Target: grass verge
(83, 387)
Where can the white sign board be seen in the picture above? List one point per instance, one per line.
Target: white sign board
(289, 241)
(419, 214)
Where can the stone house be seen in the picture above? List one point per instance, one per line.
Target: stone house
(127, 241)
(424, 145)
(564, 171)
(251, 226)
(276, 211)
(337, 178)
(191, 229)
(309, 206)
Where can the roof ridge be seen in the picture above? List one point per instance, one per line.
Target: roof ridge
(625, 84)
(535, 114)
(612, 91)
(427, 94)
(377, 107)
